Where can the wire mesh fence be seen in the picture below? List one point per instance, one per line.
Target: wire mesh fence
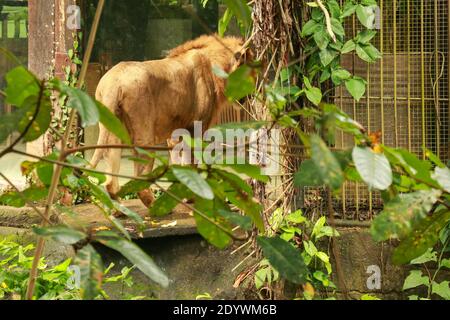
(407, 98)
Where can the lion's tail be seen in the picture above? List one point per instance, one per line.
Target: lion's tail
(112, 101)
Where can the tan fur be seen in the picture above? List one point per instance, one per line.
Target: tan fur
(154, 98)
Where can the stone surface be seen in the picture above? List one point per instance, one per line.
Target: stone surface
(357, 252)
(179, 222)
(193, 267)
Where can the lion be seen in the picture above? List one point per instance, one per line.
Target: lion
(154, 98)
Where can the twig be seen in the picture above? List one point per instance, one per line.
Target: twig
(327, 20)
(115, 146)
(243, 260)
(68, 165)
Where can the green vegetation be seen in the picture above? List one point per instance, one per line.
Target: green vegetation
(416, 192)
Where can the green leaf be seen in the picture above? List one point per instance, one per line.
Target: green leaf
(194, 181)
(86, 106)
(320, 230)
(237, 219)
(415, 279)
(42, 120)
(374, 168)
(445, 263)
(44, 170)
(366, 297)
(21, 85)
(349, 9)
(322, 38)
(334, 8)
(133, 186)
(327, 56)
(366, 15)
(365, 36)
(338, 75)
(100, 193)
(310, 28)
(229, 187)
(91, 272)
(9, 123)
(349, 46)
(61, 234)
(441, 289)
(16, 199)
(403, 213)
(296, 217)
(420, 169)
(208, 230)
(415, 247)
(249, 170)
(241, 10)
(128, 212)
(113, 124)
(310, 248)
(442, 176)
(337, 27)
(434, 158)
(356, 87)
(166, 203)
(240, 83)
(369, 2)
(224, 22)
(285, 258)
(135, 255)
(368, 52)
(429, 256)
(307, 175)
(260, 277)
(329, 169)
(314, 95)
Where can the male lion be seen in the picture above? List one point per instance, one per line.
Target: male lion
(154, 98)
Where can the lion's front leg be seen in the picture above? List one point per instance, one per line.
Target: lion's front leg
(113, 158)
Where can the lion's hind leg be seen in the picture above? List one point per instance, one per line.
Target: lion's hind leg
(141, 169)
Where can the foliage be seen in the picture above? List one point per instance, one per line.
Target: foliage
(415, 191)
(419, 279)
(54, 283)
(15, 265)
(291, 251)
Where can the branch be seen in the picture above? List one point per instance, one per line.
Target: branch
(72, 166)
(327, 20)
(115, 146)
